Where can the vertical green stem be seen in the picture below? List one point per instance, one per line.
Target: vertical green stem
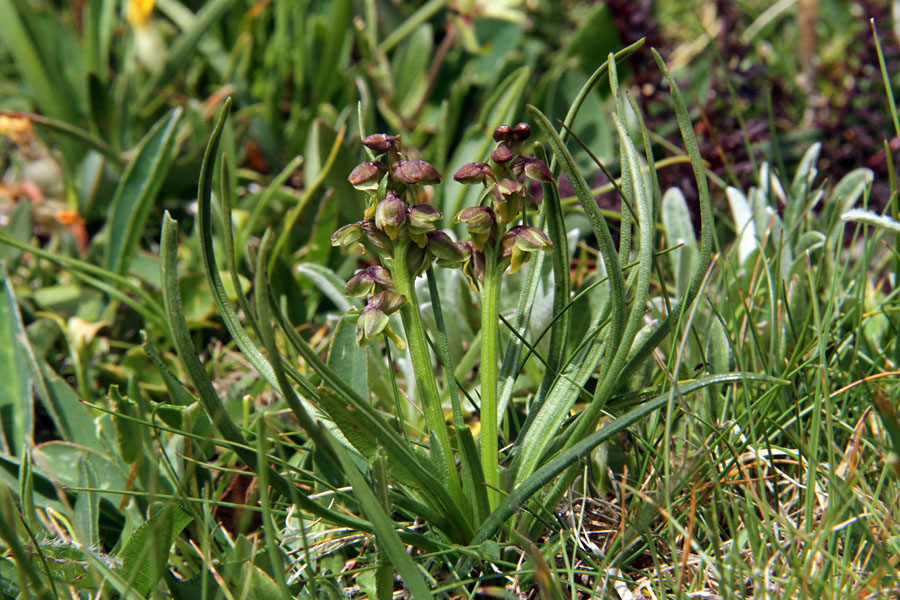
(490, 320)
(422, 364)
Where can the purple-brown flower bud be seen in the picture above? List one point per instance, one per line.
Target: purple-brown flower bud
(447, 252)
(390, 215)
(521, 132)
(377, 238)
(422, 217)
(419, 259)
(502, 133)
(348, 234)
(366, 175)
(364, 281)
(501, 154)
(387, 301)
(380, 142)
(476, 172)
(413, 172)
(371, 322)
(480, 222)
(534, 168)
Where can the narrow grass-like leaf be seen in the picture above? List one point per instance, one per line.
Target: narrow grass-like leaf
(23, 561)
(137, 190)
(646, 346)
(369, 419)
(562, 283)
(87, 506)
(545, 425)
(546, 473)
(16, 39)
(207, 393)
(210, 267)
(16, 407)
(385, 532)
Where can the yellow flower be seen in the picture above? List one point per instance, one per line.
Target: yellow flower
(16, 128)
(138, 12)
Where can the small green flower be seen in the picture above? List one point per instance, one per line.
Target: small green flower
(421, 219)
(390, 214)
(521, 242)
(480, 222)
(364, 281)
(348, 235)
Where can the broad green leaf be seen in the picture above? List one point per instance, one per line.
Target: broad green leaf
(145, 557)
(328, 282)
(16, 39)
(680, 231)
(385, 529)
(137, 190)
(128, 433)
(345, 356)
(61, 462)
(87, 505)
(16, 407)
(207, 395)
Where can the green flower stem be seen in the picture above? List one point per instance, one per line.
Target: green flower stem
(490, 342)
(422, 364)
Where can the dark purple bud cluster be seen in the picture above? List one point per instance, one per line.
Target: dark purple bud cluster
(503, 175)
(507, 193)
(397, 216)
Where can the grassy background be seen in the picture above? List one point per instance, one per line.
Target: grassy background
(117, 479)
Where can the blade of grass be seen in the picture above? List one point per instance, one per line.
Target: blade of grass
(385, 530)
(137, 190)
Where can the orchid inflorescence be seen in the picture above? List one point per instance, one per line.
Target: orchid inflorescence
(399, 217)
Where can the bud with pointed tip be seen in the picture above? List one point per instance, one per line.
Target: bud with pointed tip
(476, 172)
(348, 234)
(421, 219)
(380, 142)
(364, 281)
(447, 253)
(414, 172)
(536, 170)
(501, 154)
(377, 238)
(371, 322)
(390, 214)
(508, 194)
(519, 244)
(480, 222)
(365, 176)
(387, 301)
